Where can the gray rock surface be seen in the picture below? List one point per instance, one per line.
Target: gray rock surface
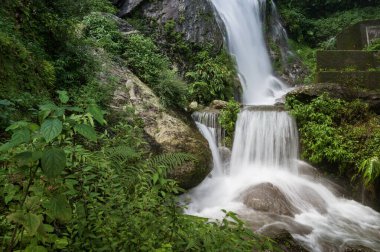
(268, 198)
(193, 18)
(166, 129)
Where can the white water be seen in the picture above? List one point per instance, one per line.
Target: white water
(243, 22)
(265, 151)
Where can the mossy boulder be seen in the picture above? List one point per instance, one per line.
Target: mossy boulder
(168, 132)
(341, 91)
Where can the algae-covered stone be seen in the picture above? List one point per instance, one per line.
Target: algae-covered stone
(167, 129)
(346, 92)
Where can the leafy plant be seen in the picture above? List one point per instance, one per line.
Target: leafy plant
(104, 32)
(146, 61)
(211, 78)
(338, 133)
(227, 119)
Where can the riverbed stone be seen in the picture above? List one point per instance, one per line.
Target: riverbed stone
(266, 197)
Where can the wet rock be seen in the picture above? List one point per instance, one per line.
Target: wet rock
(218, 104)
(165, 129)
(346, 92)
(193, 18)
(126, 6)
(193, 106)
(268, 198)
(285, 240)
(225, 154)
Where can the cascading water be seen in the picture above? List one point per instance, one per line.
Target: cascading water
(264, 158)
(243, 22)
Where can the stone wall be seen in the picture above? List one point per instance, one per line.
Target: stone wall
(346, 60)
(358, 36)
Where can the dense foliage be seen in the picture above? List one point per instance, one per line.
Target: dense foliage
(338, 133)
(65, 186)
(314, 25)
(227, 119)
(210, 72)
(69, 179)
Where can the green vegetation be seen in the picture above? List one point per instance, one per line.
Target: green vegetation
(144, 58)
(66, 186)
(374, 46)
(313, 25)
(210, 73)
(338, 133)
(74, 175)
(227, 119)
(212, 78)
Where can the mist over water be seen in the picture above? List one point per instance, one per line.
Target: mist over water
(264, 182)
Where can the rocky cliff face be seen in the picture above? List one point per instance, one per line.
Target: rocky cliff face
(193, 18)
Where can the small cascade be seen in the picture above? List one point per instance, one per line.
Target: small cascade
(265, 139)
(210, 120)
(208, 125)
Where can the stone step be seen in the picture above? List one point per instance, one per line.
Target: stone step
(359, 35)
(347, 60)
(367, 79)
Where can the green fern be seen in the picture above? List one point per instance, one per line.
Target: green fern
(122, 155)
(169, 161)
(370, 170)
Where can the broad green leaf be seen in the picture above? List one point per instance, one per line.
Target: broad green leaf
(59, 112)
(51, 128)
(74, 109)
(97, 113)
(42, 115)
(33, 127)
(24, 158)
(48, 107)
(16, 125)
(6, 103)
(155, 178)
(29, 221)
(20, 136)
(63, 96)
(61, 243)
(58, 208)
(53, 162)
(35, 248)
(87, 131)
(5, 147)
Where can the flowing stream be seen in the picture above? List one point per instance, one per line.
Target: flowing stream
(263, 181)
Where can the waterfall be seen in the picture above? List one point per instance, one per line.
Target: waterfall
(265, 184)
(243, 20)
(265, 139)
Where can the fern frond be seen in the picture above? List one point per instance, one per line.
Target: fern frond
(122, 157)
(370, 170)
(169, 161)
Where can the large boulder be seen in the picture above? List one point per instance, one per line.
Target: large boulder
(268, 198)
(193, 18)
(165, 128)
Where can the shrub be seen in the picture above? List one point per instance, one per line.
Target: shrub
(227, 119)
(146, 61)
(339, 133)
(104, 32)
(212, 78)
